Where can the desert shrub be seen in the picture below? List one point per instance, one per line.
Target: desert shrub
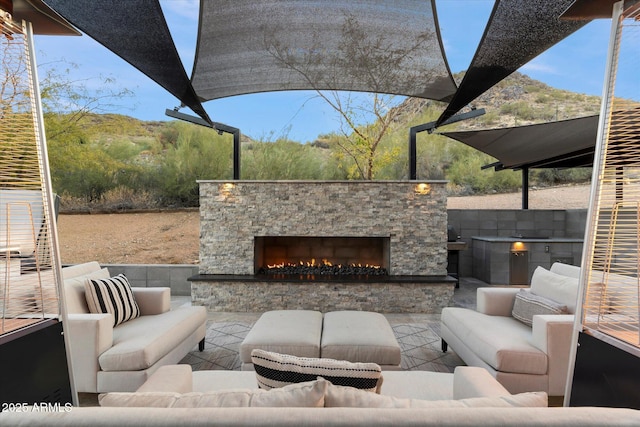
(283, 159)
(489, 118)
(532, 88)
(116, 199)
(199, 154)
(522, 110)
(468, 176)
(542, 98)
(123, 149)
(562, 176)
(82, 171)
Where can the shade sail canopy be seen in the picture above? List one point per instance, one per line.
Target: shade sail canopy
(384, 46)
(565, 143)
(517, 32)
(136, 31)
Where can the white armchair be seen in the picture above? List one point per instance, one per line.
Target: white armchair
(521, 357)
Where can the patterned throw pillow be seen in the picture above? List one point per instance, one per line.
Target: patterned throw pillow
(528, 304)
(113, 296)
(275, 370)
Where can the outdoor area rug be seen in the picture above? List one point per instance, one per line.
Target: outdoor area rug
(419, 344)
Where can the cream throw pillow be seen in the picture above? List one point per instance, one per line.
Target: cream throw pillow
(302, 395)
(339, 396)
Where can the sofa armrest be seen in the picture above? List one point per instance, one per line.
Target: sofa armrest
(170, 378)
(496, 301)
(552, 334)
(152, 300)
(89, 336)
(471, 381)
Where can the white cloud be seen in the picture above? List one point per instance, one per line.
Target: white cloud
(539, 67)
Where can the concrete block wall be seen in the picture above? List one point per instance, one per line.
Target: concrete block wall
(510, 222)
(150, 275)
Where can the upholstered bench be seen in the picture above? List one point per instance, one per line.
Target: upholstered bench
(359, 336)
(356, 336)
(295, 332)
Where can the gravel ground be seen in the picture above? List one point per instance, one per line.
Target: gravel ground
(173, 237)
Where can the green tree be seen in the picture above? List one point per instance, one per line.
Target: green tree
(71, 101)
(198, 154)
(368, 61)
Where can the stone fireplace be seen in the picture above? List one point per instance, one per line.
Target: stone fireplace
(399, 226)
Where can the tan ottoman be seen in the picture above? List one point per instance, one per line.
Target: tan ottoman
(295, 332)
(359, 336)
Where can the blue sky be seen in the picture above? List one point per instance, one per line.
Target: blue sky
(576, 64)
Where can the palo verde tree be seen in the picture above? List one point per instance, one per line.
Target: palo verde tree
(360, 60)
(67, 102)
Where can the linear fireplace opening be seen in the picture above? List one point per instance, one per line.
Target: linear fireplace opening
(310, 255)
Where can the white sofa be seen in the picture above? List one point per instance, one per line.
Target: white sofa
(469, 397)
(521, 357)
(107, 358)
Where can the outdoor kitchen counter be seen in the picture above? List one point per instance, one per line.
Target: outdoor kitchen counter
(525, 239)
(511, 260)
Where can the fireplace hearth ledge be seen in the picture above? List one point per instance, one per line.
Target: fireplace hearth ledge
(384, 294)
(319, 278)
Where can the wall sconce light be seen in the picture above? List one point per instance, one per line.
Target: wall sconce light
(422, 188)
(226, 189)
(518, 246)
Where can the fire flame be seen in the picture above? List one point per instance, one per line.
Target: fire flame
(322, 263)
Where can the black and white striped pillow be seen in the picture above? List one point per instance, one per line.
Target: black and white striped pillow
(275, 370)
(113, 296)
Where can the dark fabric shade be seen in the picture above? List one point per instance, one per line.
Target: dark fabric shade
(136, 31)
(248, 46)
(517, 32)
(383, 46)
(565, 143)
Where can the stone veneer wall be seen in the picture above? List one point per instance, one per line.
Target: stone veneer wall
(233, 212)
(382, 297)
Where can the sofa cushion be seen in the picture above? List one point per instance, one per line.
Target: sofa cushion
(74, 292)
(338, 396)
(556, 287)
(112, 295)
(418, 384)
(527, 305)
(502, 342)
(139, 343)
(565, 269)
(276, 370)
(80, 269)
(307, 394)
